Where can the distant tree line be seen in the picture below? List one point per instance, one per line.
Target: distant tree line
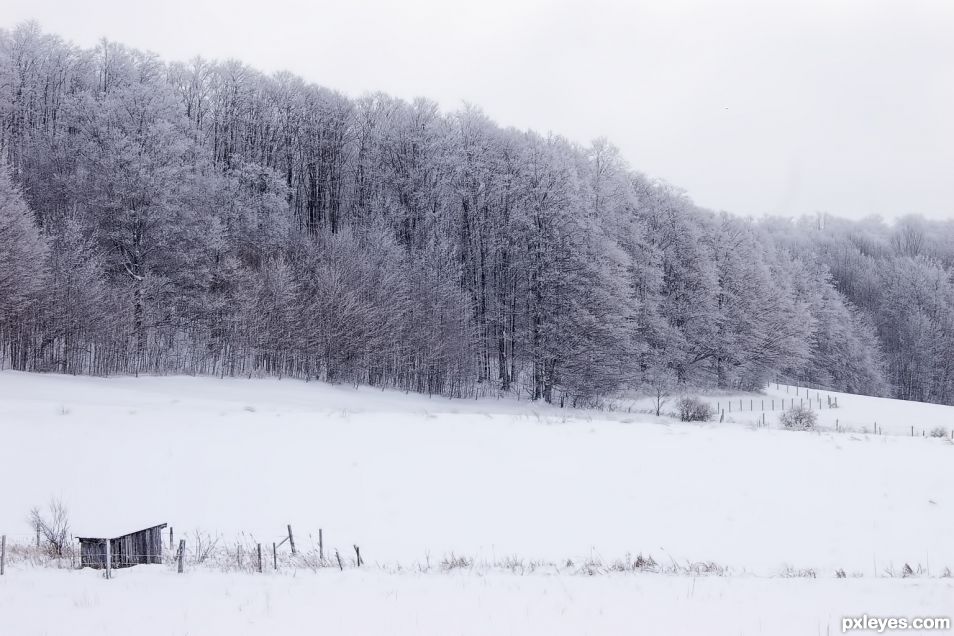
(206, 218)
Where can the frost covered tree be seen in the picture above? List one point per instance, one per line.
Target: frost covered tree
(204, 217)
(23, 253)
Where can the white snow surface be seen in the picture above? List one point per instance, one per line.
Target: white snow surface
(153, 601)
(410, 478)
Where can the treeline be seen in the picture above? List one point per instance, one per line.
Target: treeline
(205, 218)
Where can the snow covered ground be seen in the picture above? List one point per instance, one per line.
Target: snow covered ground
(413, 479)
(151, 601)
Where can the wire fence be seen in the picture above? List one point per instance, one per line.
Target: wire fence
(246, 553)
(817, 401)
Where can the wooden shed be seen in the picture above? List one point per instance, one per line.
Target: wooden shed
(142, 546)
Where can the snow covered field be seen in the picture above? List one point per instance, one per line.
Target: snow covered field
(412, 479)
(150, 601)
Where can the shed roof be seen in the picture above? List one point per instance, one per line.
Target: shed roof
(160, 526)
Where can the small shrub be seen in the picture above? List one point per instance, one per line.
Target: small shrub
(694, 410)
(799, 573)
(798, 419)
(939, 432)
(454, 562)
(53, 527)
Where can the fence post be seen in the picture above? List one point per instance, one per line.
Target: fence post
(3, 554)
(912, 430)
(321, 545)
(274, 556)
(170, 538)
(109, 559)
(291, 540)
(181, 554)
(357, 552)
(338, 557)
(259, 558)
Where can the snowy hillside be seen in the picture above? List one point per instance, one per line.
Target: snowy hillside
(412, 480)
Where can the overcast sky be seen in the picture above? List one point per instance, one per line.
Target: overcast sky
(753, 107)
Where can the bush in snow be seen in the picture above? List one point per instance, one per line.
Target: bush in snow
(694, 410)
(799, 418)
(52, 527)
(939, 432)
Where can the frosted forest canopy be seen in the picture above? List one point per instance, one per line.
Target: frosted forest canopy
(203, 217)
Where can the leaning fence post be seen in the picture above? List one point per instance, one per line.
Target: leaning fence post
(181, 553)
(291, 539)
(338, 557)
(3, 554)
(357, 553)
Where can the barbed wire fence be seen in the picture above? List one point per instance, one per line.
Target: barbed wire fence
(246, 553)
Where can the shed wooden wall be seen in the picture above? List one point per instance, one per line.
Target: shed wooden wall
(131, 549)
